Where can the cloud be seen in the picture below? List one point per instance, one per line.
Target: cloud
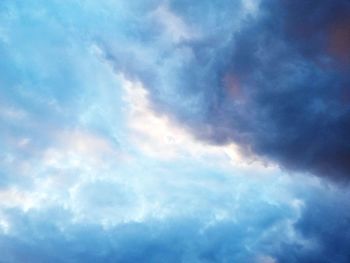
(170, 140)
(130, 129)
(274, 80)
(174, 27)
(324, 221)
(310, 232)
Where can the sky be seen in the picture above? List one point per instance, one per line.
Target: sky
(175, 131)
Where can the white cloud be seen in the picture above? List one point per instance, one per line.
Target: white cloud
(13, 197)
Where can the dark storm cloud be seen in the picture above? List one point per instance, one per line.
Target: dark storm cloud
(276, 81)
(295, 77)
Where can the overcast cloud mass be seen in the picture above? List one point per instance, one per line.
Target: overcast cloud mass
(175, 131)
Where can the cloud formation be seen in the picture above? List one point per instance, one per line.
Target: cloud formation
(120, 123)
(271, 76)
(261, 230)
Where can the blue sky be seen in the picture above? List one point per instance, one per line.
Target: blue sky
(174, 131)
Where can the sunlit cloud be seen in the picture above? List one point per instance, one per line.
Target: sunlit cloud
(159, 136)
